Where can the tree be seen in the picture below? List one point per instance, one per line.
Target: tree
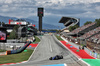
(88, 22)
(71, 28)
(76, 26)
(13, 34)
(97, 21)
(16, 28)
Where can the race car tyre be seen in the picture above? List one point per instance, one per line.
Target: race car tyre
(56, 58)
(61, 57)
(50, 58)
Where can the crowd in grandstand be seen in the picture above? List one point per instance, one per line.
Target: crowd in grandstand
(90, 33)
(82, 28)
(95, 38)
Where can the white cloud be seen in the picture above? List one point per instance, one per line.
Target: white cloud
(96, 0)
(98, 8)
(52, 7)
(4, 10)
(4, 6)
(8, 1)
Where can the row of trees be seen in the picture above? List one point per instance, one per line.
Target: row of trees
(13, 34)
(98, 22)
(71, 28)
(88, 22)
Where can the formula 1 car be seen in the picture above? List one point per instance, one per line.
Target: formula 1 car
(57, 57)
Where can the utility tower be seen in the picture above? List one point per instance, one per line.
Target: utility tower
(40, 15)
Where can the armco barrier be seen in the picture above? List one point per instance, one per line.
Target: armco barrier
(95, 55)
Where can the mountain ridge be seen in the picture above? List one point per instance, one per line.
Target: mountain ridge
(5, 19)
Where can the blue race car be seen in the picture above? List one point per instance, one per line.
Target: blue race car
(57, 57)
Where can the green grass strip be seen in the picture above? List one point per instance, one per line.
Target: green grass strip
(2, 50)
(37, 40)
(14, 58)
(92, 62)
(59, 38)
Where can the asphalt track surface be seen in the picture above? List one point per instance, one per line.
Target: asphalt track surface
(49, 46)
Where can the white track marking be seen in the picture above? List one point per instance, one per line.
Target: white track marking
(65, 64)
(50, 47)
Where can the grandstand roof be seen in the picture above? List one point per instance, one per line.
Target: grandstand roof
(69, 21)
(64, 19)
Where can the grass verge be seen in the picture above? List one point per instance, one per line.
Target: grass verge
(59, 38)
(37, 40)
(2, 50)
(14, 58)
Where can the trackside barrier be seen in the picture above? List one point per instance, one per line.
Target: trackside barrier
(95, 55)
(8, 52)
(20, 49)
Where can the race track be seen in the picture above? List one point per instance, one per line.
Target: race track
(49, 46)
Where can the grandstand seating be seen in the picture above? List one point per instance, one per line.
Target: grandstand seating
(98, 42)
(90, 33)
(83, 28)
(96, 38)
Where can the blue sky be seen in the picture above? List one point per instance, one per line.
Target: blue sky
(86, 10)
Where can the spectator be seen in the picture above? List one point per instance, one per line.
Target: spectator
(94, 51)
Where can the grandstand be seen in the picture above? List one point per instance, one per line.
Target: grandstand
(91, 33)
(88, 35)
(84, 29)
(68, 21)
(32, 29)
(21, 32)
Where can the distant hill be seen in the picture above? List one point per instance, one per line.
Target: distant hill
(6, 19)
(45, 25)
